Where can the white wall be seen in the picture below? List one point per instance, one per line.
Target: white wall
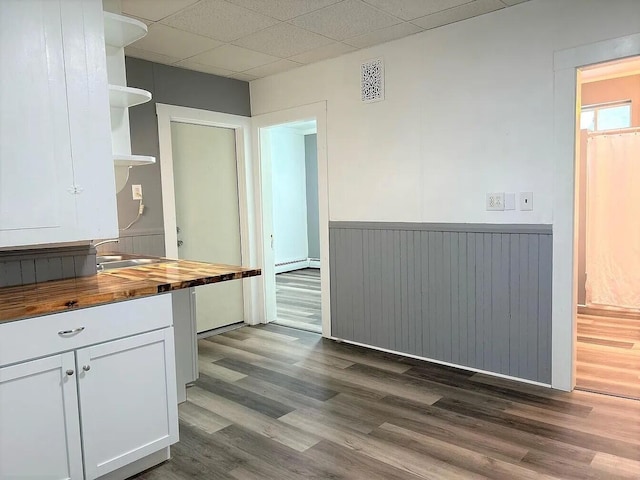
(468, 110)
(289, 195)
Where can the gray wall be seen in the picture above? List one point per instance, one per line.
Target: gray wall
(174, 86)
(311, 168)
(469, 294)
(23, 267)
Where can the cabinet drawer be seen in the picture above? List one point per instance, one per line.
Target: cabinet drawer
(39, 336)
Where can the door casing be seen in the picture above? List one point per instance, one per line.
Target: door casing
(246, 200)
(318, 112)
(565, 263)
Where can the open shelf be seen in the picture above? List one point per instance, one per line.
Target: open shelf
(132, 160)
(120, 31)
(124, 97)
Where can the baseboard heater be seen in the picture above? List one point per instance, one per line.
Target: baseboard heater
(297, 264)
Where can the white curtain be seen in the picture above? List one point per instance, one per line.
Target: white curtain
(613, 220)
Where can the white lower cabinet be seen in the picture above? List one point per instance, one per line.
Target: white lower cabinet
(39, 423)
(127, 391)
(97, 408)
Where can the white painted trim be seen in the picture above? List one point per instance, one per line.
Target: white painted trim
(564, 294)
(317, 111)
(447, 364)
(248, 232)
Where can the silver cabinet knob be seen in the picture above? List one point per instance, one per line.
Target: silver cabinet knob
(70, 372)
(86, 368)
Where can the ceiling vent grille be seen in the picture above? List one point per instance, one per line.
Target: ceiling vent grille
(372, 80)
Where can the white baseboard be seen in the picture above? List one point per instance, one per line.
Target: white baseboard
(439, 362)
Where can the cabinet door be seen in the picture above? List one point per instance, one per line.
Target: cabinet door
(56, 169)
(89, 123)
(127, 391)
(36, 170)
(39, 428)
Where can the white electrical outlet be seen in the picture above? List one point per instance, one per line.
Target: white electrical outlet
(136, 191)
(526, 201)
(495, 201)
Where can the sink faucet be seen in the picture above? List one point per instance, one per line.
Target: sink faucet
(113, 240)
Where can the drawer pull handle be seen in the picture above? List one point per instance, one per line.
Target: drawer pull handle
(86, 368)
(69, 372)
(71, 332)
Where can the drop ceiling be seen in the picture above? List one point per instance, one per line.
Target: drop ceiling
(250, 39)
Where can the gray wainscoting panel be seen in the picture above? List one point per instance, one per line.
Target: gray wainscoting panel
(24, 267)
(150, 242)
(472, 295)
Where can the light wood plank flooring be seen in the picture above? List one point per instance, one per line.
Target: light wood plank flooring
(298, 299)
(608, 356)
(278, 403)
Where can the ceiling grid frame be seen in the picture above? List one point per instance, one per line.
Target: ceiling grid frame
(250, 39)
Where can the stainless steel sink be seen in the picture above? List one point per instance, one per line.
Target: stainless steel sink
(109, 262)
(108, 258)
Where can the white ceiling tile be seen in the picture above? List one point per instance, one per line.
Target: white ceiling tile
(410, 9)
(154, 10)
(173, 42)
(328, 51)
(472, 9)
(345, 20)
(383, 35)
(244, 77)
(199, 67)
(271, 68)
(150, 56)
(283, 40)
(220, 20)
(231, 57)
(283, 9)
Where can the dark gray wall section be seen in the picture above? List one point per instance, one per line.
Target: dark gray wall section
(173, 86)
(311, 168)
(472, 295)
(24, 267)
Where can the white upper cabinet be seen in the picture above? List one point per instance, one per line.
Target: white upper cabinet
(56, 168)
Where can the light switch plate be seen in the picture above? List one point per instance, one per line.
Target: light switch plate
(526, 201)
(509, 201)
(495, 201)
(136, 192)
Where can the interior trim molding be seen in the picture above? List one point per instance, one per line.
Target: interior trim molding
(540, 229)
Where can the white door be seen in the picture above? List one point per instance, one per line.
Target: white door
(208, 214)
(127, 399)
(39, 426)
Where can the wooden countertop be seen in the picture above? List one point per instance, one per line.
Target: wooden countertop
(112, 286)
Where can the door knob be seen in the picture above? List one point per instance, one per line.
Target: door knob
(180, 243)
(86, 368)
(69, 372)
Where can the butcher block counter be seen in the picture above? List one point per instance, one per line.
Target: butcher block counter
(112, 286)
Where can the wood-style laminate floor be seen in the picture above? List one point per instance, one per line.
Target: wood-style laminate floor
(298, 299)
(278, 403)
(608, 355)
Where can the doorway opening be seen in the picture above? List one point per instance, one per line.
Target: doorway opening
(291, 152)
(608, 231)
